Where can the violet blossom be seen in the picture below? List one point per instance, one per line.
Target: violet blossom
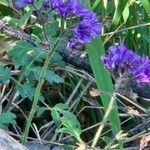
(23, 3)
(88, 26)
(120, 58)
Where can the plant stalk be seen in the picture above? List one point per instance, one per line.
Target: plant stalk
(108, 111)
(36, 97)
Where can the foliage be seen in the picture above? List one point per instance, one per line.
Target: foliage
(6, 119)
(35, 79)
(104, 83)
(4, 74)
(68, 120)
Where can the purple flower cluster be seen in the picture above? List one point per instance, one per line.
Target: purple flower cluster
(120, 58)
(23, 3)
(87, 28)
(64, 8)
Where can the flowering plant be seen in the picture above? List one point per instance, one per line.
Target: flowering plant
(88, 26)
(125, 64)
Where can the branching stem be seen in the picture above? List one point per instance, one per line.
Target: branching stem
(40, 83)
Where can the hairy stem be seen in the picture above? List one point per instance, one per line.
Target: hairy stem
(40, 82)
(36, 97)
(38, 89)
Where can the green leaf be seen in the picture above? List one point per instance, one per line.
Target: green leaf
(40, 111)
(69, 120)
(23, 53)
(66, 130)
(72, 131)
(88, 4)
(28, 90)
(56, 117)
(4, 2)
(4, 74)
(6, 119)
(126, 12)
(61, 106)
(103, 80)
(118, 13)
(50, 75)
(146, 5)
(52, 29)
(96, 4)
(24, 18)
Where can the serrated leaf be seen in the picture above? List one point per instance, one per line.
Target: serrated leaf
(4, 74)
(26, 16)
(7, 118)
(28, 90)
(37, 72)
(23, 53)
(58, 59)
(50, 75)
(52, 29)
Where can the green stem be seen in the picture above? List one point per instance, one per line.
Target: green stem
(40, 82)
(99, 131)
(37, 94)
(38, 89)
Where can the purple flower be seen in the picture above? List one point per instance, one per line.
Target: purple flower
(86, 30)
(121, 59)
(142, 75)
(23, 3)
(64, 9)
(74, 45)
(142, 71)
(80, 10)
(51, 3)
(88, 26)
